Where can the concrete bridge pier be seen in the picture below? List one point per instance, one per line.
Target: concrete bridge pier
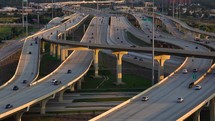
(58, 51)
(42, 46)
(96, 60)
(18, 116)
(43, 106)
(72, 87)
(79, 83)
(60, 98)
(64, 35)
(51, 49)
(119, 65)
(198, 35)
(63, 54)
(212, 109)
(197, 115)
(54, 50)
(161, 60)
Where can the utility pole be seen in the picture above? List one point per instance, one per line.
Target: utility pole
(52, 9)
(25, 16)
(173, 8)
(153, 45)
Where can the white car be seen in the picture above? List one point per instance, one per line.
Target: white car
(145, 98)
(184, 71)
(53, 80)
(180, 100)
(198, 87)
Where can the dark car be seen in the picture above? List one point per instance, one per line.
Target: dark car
(29, 52)
(69, 71)
(57, 82)
(15, 88)
(8, 106)
(195, 70)
(31, 44)
(35, 42)
(191, 85)
(24, 81)
(196, 47)
(133, 46)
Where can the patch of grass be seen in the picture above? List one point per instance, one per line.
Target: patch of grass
(48, 64)
(4, 31)
(8, 19)
(101, 99)
(136, 40)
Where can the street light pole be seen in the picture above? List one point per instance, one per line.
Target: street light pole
(173, 8)
(97, 7)
(153, 46)
(52, 9)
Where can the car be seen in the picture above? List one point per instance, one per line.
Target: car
(8, 106)
(180, 100)
(31, 44)
(69, 71)
(15, 88)
(145, 98)
(24, 81)
(35, 42)
(132, 46)
(195, 70)
(29, 52)
(196, 47)
(184, 71)
(213, 71)
(53, 80)
(117, 37)
(135, 57)
(191, 85)
(198, 87)
(57, 82)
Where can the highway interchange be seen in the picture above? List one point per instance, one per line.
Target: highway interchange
(163, 95)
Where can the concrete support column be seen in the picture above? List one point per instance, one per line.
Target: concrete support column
(66, 53)
(96, 62)
(64, 35)
(161, 60)
(198, 35)
(212, 109)
(63, 54)
(58, 51)
(18, 116)
(43, 46)
(60, 98)
(61, 36)
(197, 115)
(119, 66)
(72, 87)
(54, 50)
(79, 84)
(43, 106)
(51, 49)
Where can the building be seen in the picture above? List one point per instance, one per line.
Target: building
(184, 2)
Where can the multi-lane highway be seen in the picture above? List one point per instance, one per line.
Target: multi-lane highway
(162, 104)
(163, 96)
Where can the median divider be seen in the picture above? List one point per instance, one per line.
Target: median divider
(203, 76)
